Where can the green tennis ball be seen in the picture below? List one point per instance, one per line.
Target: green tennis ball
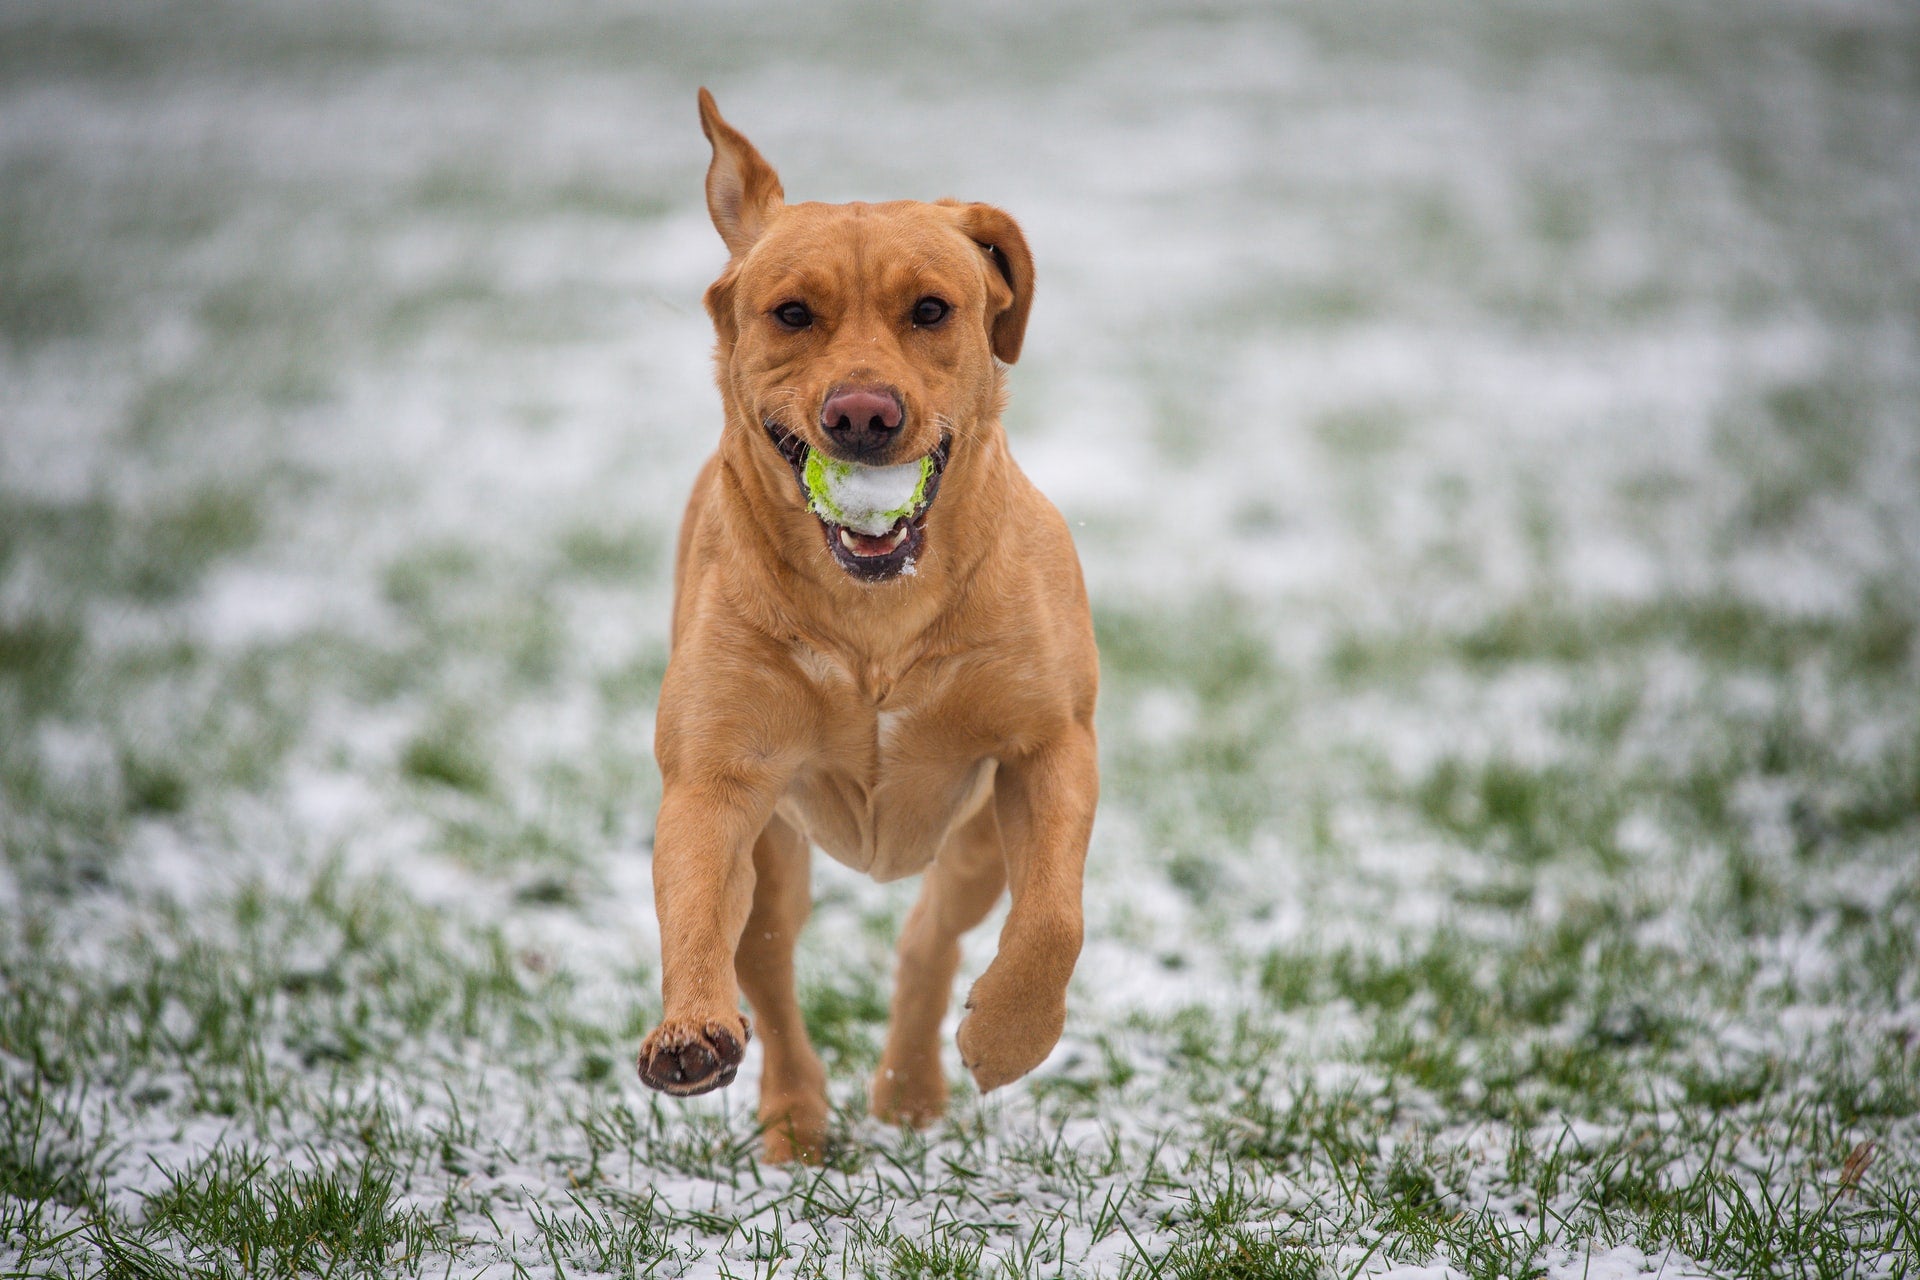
(869, 500)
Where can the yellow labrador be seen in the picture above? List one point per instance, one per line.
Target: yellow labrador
(916, 699)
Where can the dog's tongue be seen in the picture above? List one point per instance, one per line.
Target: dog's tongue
(862, 544)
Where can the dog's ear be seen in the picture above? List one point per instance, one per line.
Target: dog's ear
(999, 235)
(743, 191)
(719, 300)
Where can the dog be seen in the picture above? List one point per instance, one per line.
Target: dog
(918, 700)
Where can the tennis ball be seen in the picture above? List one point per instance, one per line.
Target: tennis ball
(869, 500)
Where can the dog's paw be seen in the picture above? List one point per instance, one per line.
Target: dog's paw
(793, 1132)
(1006, 1035)
(685, 1058)
(913, 1097)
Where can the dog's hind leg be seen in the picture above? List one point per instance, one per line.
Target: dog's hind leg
(793, 1084)
(957, 892)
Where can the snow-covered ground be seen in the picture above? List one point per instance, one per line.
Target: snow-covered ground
(1490, 433)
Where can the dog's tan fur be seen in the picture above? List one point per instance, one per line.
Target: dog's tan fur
(938, 722)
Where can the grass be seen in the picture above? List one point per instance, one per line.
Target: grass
(1510, 765)
(294, 1222)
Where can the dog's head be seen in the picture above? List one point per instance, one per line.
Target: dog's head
(871, 333)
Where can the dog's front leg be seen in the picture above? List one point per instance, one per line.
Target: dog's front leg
(703, 890)
(1018, 1007)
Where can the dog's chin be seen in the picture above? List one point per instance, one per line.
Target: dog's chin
(890, 555)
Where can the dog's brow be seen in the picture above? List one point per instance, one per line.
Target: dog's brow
(929, 268)
(800, 278)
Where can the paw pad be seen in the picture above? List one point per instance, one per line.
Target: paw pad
(686, 1062)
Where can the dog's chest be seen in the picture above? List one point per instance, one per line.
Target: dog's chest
(892, 779)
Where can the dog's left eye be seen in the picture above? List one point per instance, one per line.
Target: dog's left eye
(929, 311)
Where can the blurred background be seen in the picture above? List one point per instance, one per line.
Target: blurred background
(1490, 431)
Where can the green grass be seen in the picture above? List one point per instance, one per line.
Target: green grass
(292, 1221)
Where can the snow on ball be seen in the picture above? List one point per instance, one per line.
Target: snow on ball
(869, 500)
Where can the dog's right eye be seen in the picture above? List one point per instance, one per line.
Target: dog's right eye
(793, 315)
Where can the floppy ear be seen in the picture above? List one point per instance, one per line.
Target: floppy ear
(743, 191)
(719, 300)
(997, 233)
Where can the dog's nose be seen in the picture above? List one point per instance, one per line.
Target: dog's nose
(862, 420)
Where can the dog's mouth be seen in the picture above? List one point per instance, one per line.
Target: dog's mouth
(869, 556)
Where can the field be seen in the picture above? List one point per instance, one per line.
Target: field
(1492, 433)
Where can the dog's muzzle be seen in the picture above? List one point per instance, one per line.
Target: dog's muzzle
(868, 557)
